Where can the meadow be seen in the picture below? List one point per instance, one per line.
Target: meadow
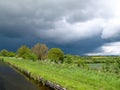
(69, 76)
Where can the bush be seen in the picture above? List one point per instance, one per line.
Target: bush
(33, 57)
(113, 67)
(23, 52)
(11, 54)
(68, 59)
(4, 52)
(56, 55)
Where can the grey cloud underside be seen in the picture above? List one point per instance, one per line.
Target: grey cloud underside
(34, 16)
(74, 25)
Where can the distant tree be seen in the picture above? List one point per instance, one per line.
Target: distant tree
(40, 50)
(11, 54)
(23, 51)
(26, 53)
(56, 54)
(4, 52)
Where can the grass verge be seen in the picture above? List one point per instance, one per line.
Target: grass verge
(70, 77)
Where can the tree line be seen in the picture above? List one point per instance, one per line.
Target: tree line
(37, 52)
(42, 52)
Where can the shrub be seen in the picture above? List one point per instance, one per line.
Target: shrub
(4, 52)
(33, 57)
(23, 51)
(11, 54)
(68, 59)
(56, 55)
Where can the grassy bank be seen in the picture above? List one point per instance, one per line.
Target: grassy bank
(70, 77)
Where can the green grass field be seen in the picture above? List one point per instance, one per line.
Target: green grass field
(70, 77)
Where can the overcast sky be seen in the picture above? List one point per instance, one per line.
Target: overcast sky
(82, 27)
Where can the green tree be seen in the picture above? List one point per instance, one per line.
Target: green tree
(32, 56)
(11, 54)
(56, 54)
(4, 52)
(40, 50)
(23, 51)
(26, 53)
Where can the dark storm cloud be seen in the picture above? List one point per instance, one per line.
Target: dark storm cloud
(83, 46)
(19, 18)
(34, 16)
(13, 31)
(61, 23)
